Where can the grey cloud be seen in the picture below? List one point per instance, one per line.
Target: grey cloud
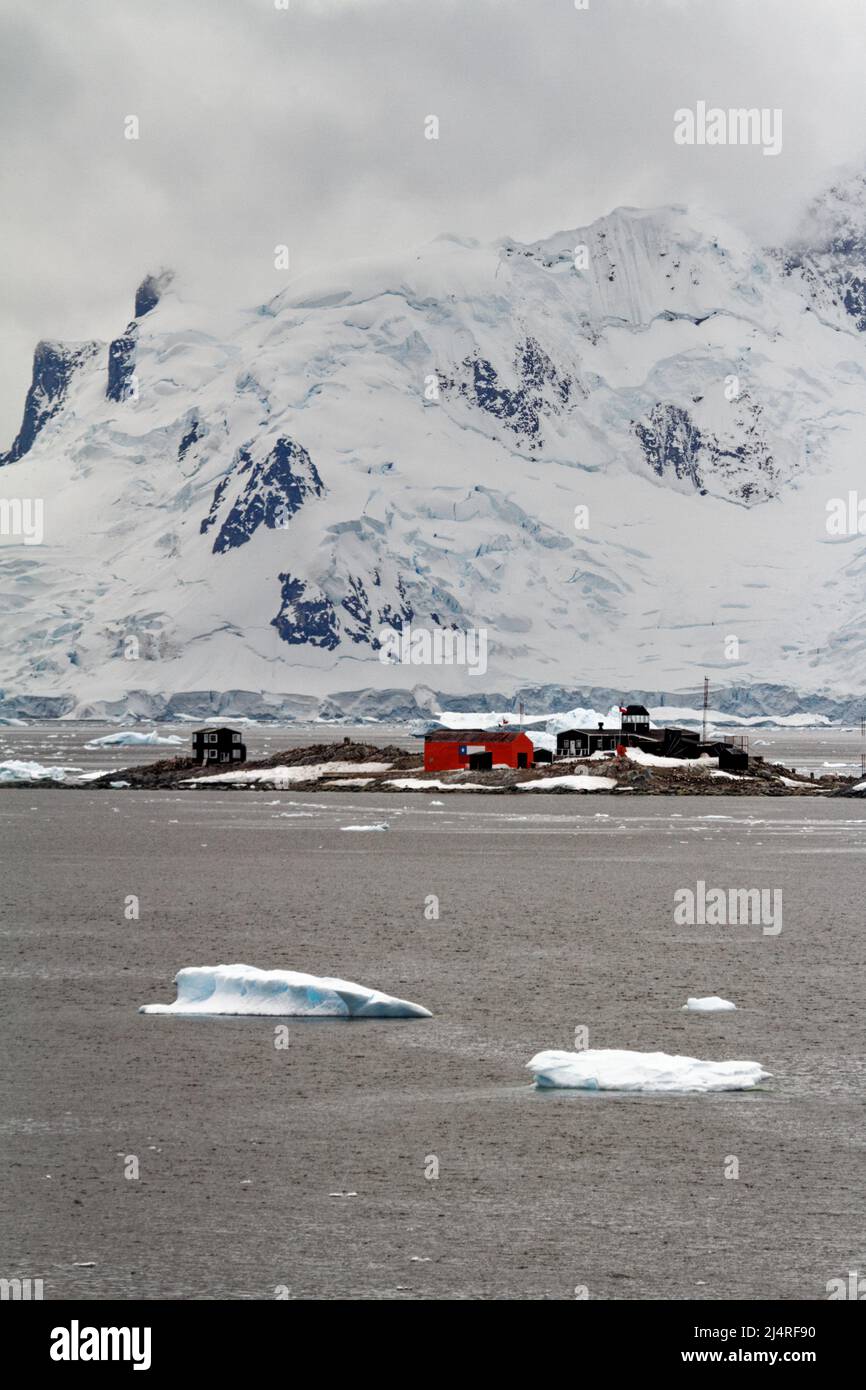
(261, 126)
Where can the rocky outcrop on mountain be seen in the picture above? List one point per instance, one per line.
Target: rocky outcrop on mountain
(54, 365)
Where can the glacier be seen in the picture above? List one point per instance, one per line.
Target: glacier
(244, 989)
(608, 470)
(603, 1069)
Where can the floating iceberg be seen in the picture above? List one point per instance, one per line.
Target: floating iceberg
(711, 1004)
(610, 1070)
(14, 771)
(128, 738)
(382, 825)
(242, 989)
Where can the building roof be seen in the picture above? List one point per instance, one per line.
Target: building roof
(636, 709)
(215, 729)
(595, 730)
(473, 735)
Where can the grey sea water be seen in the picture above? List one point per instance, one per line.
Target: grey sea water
(553, 913)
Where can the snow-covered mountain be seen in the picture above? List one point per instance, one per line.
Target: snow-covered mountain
(611, 450)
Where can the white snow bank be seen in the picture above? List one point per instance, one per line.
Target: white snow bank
(578, 782)
(15, 771)
(128, 738)
(282, 775)
(419, 784)
(603, 1069)
(382, 826)
(638, 755)
(349, 781)
(243, 989)
(710, 1004)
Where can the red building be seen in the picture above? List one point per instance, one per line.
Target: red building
(476, 750)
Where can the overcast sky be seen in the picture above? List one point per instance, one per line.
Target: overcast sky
(261, 126)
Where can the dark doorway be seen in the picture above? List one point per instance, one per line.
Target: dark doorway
(521, 760)
(480, 762)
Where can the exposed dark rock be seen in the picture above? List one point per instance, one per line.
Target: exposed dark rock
(304, 619)
(54, 365)
(272, 492)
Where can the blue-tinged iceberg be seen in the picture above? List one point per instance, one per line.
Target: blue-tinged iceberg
(603, 1069)
(243, 989)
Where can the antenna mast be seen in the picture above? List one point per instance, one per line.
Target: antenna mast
(706, 706)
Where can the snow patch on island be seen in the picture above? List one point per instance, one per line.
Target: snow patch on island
(283, 775)
(244, 989)
(578, 782)
(638, 755)
(603, 1069)
(421, 784)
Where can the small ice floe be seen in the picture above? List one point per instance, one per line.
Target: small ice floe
(710, 1004)
(83, 1264)
(118, 785)
(342, 1194)
(128, 738)
(380, 825)
(603, 1069)
(15, 771)
(243, 989)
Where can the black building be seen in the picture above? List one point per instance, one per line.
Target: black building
(218, 746)
(580, 743)
(635, 719)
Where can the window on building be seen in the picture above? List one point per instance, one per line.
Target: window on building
(236, 738)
